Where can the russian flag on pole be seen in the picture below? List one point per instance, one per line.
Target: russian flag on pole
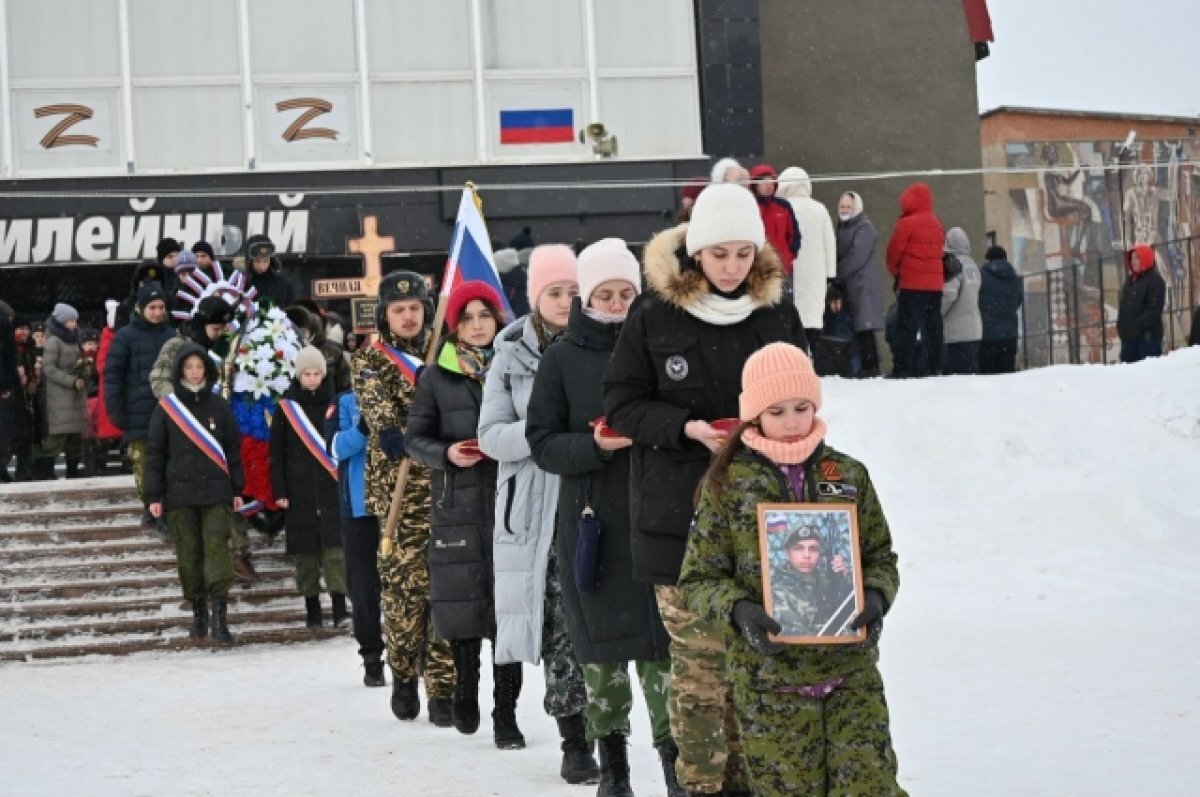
(538, 126)
(471, 252)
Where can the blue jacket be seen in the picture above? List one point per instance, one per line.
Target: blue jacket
(348, 445)
(1001, 293)
(128, 396)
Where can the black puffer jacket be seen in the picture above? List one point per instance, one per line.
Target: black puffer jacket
(178, 473)
(128, 396)
(619, 621)
(314, 515)
(669, 368)
(272, 285)
(1140, 315)
(446, 411)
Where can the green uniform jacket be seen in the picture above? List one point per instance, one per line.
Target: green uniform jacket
(722, 564)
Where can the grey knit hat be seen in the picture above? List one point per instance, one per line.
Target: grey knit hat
(64, 313)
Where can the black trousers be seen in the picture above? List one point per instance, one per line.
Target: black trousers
(919, 313)
(998, 356)
(360, 544)
(869, 351)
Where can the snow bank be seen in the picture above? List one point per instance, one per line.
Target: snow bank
(1041, 644)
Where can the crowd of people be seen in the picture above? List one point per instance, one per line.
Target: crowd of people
(570, 470)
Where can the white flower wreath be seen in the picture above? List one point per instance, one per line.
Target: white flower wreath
(266, 356)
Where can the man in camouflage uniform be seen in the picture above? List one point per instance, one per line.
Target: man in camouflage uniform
(404, 317)
(813, 718)
(804, 596)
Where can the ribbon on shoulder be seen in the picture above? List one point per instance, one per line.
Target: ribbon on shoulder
(409, 365)
(194, 430)
(308, 435)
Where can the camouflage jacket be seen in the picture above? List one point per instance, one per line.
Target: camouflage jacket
(722, 564)
(385, 396)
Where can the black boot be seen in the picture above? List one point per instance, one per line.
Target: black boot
(373, 672)
(668, 753)
(312, 611)
(614, 767)
(441, 712)
(465, 709)
(73, 471)
(220, 621)
(507, 679)
(578, 763)
(340, 615)
(406, 703)
(199, 619)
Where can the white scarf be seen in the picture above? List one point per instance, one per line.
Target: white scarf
(721, 312)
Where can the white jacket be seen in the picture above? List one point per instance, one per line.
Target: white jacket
(817, 261)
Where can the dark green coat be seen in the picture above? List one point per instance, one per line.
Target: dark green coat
(722, 564)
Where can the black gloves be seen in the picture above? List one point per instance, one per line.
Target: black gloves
(362, 426)
(872, 617)
(391, 442)
(754, 623)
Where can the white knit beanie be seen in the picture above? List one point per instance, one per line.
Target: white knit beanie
(724, 213)
(310, 357)
(607, 259)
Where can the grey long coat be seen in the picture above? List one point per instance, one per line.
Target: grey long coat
(858, 269)
(526, 496)
(66, 407)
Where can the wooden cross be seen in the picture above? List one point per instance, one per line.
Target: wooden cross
(371, 246)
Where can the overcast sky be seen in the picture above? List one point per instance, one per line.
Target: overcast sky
(1095, 55)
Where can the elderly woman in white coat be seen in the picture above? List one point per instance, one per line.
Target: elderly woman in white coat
(816, 263)
(531, 622)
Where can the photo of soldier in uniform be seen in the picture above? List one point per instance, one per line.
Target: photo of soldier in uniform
(812, 579)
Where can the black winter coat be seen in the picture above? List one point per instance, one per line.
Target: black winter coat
(128, 396)
(1140, 316)
(313, 519)
(446, 411)
(669, 367)
(1001, 293)
(272, 285)
(619, 621)
(178, 473)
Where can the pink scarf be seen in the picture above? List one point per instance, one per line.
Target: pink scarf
(782, 453)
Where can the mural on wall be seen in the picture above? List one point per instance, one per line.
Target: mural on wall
(1075, 212)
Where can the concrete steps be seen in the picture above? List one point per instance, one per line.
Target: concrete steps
(80, 575)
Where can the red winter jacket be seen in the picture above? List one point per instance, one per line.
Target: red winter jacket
(914, 254)
(783, 230)
(102, 427)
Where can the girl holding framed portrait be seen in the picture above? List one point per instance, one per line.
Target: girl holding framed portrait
(812, 715)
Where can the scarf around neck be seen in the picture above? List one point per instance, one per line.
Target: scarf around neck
(602, 317)
(782, 453)
(721, 312)
(474, 360)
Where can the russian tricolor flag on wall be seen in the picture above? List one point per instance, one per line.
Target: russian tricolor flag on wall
(471, 252)
(538, 126)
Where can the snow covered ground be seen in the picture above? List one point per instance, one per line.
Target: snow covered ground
(1044, 641)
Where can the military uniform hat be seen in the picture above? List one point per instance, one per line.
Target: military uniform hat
(400, 286)
(801, 534)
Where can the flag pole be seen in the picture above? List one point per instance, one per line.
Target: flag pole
(387, 539)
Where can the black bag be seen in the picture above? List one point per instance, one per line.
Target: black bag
(587, 547)
(951, 266)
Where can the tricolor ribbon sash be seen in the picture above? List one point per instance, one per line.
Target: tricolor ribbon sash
(194, 430)
(308, 435)
(409, 365)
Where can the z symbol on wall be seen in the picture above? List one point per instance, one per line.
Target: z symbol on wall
(74, 115)
(297, 131)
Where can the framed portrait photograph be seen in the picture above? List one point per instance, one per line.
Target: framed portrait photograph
(812, 573)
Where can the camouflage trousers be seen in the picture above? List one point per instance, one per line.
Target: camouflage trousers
(201, 535)
(566, 693)
(309, 567)
(837, 745)
(610, 697)
(135, 452)
(412, 650)
(703, 722)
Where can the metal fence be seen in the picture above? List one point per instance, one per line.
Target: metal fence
(1069, 315)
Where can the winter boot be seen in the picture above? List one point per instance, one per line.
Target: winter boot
(243, 568)
(73, 470)
(507, 679)
(312, 611)
(441, 712)
(465, 709)
(668, 753)
(373, 672)
(614, 767)
(220, 621)
(578, 763)
(406, 703)
(340, 615)
(199, 619)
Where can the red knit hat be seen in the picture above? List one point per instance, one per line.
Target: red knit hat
(466, 293)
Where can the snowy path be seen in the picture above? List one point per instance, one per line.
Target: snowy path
(1043, 643)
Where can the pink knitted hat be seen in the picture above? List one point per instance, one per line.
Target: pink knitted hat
(548, 264)
(777, 372)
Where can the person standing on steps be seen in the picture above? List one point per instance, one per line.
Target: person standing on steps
(304, 482)
(66, 396)
(531, 623)
(714, 296)
(385, 385)
(613, 619)
(193, 478)
(442, 429)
